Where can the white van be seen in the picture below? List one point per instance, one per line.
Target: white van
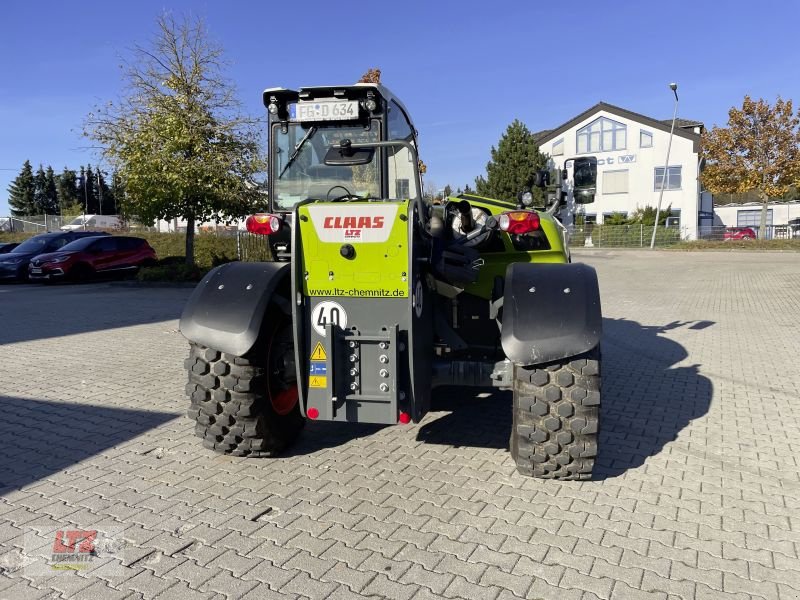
(93, 222)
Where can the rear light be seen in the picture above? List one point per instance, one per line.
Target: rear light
(404, 418)
(263, 224)
(519, 221)
(312, 413)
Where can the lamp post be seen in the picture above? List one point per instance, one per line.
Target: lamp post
(674, 88)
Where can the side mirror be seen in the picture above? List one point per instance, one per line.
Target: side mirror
(584, 179)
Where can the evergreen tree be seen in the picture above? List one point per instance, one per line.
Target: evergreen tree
(21, 192)
(50, 206)
(105, 201)
(87, 190)
(513, 166)
(39, 200)
(67, 189)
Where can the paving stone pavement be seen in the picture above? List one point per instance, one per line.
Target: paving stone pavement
(697, 493)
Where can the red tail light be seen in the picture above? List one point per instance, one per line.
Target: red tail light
(263, 224)
(519, 221)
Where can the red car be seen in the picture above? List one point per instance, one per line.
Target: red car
(739, 233)
(87, 257)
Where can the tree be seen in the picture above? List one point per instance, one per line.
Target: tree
(513, 166)
(67, 190)
(759, 150)
(39, 200)
(177, 139)
(373, 75)
(21, 192)
(50, 196)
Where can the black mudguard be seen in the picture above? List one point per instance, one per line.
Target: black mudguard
(550, 312)
(227, 307)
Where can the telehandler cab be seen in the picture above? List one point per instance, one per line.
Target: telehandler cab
(375, 297)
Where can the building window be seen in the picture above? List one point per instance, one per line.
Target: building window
(615, 182)
(752, 218)
(645, 139)
(673, 178)
(674, 218)
(558, 147)
(602, 135)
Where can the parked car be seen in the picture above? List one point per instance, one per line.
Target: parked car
(8, 247)
(85, 258)
(739, 233)
(93, 222)
(14, 265)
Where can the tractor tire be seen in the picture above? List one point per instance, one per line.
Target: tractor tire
(242, 405)
(557, 417)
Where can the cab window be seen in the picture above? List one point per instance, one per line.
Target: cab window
(401, 162)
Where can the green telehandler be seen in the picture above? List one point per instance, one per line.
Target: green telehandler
(375, 296)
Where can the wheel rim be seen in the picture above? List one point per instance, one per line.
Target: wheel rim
(282, 378)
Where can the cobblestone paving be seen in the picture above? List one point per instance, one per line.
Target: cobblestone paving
(697, 494)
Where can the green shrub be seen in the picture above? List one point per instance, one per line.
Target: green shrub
(172, 271)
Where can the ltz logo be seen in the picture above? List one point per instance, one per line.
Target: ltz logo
(73, 548)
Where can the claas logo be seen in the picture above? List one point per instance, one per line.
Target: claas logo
(353, 223)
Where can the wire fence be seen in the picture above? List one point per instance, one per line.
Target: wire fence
(33, 223)
(624, 236)
(751, 232)
(252, 247)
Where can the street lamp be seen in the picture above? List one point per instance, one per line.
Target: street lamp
(674, 88)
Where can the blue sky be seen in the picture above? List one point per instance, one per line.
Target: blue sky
(464, 69)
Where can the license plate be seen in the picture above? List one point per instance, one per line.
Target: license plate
(35, 270)
(336, 110)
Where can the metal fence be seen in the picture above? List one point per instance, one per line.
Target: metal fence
(623, 236)
(747, 232)
(33, 223)
(252, 247)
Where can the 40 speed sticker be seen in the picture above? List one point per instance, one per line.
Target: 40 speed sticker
(328, 312)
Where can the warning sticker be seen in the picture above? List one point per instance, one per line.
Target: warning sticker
(318, 381)
(319, 352)
(318, 368)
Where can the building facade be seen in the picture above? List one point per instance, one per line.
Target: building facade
(630, 149)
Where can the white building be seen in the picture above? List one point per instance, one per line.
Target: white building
(630, 150)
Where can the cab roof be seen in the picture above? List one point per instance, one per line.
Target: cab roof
(334, 91)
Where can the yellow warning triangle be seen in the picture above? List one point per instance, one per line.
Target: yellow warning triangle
(319, 352)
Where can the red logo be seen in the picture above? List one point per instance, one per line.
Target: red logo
(67, 540)
(353, 223)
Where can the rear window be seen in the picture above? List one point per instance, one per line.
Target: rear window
(106, 244)
(80, 244)
(130, 243)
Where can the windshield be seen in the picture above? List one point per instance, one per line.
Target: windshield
(78, 221)
(307, 176)
(79, 244)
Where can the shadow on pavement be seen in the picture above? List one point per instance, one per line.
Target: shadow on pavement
(42, 437)
(322, 435)
(646, 400)
(38, 311)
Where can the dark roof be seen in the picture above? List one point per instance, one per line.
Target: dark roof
(547, 135)
(683, 123)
